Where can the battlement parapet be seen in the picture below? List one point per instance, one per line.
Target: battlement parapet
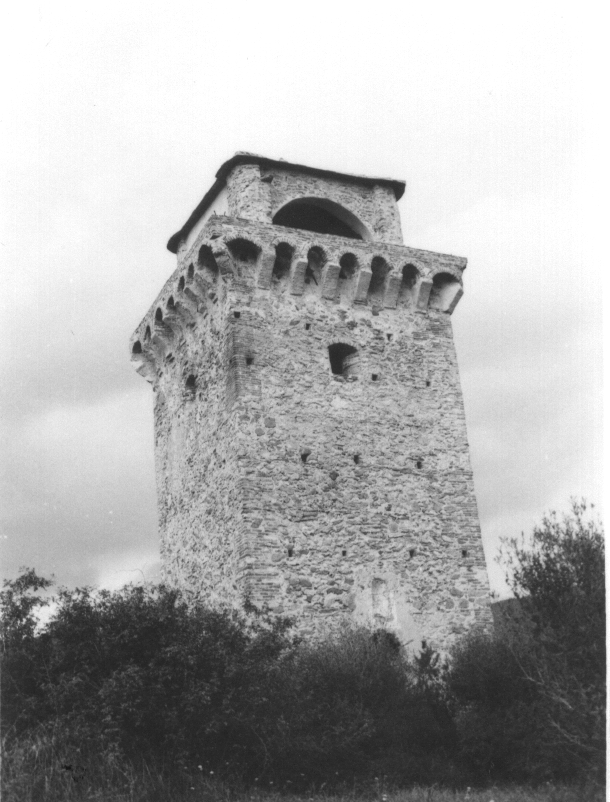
(257, 258)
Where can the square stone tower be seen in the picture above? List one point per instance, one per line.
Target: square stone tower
(310, 439)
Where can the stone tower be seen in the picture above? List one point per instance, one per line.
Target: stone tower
(310, 439)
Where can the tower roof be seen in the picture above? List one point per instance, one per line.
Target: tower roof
(398, 187)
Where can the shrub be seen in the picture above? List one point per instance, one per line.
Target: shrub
(139, 676)
(530, 701)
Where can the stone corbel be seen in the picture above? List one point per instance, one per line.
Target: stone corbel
(224, 260)
(162, 332)
(143, 360)
(422, 294)
(392, 290)
(198, 288)
(175, 321)
(330, 278)
(453, 302)
(364, 279)
(297, 276)
(187, 304)
(265, 270)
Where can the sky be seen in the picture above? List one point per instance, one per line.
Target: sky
(115, 118)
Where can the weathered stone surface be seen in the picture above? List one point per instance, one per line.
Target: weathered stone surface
(321, 494)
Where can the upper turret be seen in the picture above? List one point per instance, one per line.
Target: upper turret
(265, 190)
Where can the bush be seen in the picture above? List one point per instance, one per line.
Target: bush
(530, 701)
(138, 674)
(143, 679)
(115, 684)
(354, 706)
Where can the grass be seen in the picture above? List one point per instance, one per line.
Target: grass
(114, 785)
(33, 772)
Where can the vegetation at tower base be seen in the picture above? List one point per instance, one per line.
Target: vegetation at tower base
(136, 683)
(531, 700)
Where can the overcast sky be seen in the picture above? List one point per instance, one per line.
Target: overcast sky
(115, 120)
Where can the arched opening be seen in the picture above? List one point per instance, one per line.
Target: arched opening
(316, 260)
(207, 264)
(147, 333)
(347, 264)
(137, 347)
(159, 315)
(322, 217)
(406, 294)
(379, 270)
(181, 284)
(283, 259)
(444, 289)
(244, 251)
(343, 360)
(171, 306)
(190, 273)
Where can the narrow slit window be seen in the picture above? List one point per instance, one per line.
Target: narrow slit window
(191, 385)
(290, 551)
(411, 553)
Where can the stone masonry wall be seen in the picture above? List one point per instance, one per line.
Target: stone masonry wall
(321, 495)
(257, 194)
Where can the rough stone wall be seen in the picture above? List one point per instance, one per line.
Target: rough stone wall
(256, 194)
(321, 495)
